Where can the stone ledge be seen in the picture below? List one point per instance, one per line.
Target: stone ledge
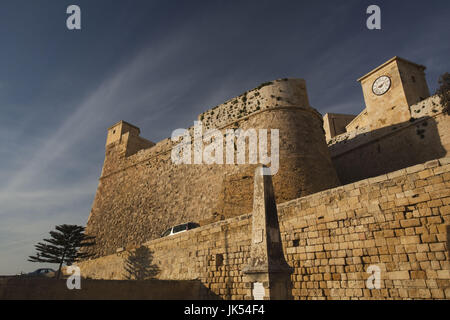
(438, 165)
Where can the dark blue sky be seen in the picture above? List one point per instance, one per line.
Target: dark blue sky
(158, 64)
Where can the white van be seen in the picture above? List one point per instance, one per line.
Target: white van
(180, 228)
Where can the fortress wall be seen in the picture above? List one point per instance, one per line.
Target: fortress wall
(141, 193)
(270, 94)
(359, 122)
(399, 222)
(213, 254)
(362, 154)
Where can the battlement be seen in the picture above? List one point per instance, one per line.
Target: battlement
(277, 93)
(125, 147)
(123, 138)
(142, 191)
(281, 93)
(116, 131)
(364, 152)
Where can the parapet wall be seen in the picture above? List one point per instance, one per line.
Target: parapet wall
(363, 153)
(399, 222)
(276, 93)
(142, 193)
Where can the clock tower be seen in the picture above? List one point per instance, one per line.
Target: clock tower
(391, 89)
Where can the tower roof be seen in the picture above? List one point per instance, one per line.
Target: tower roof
(124, 122)
(389, 61)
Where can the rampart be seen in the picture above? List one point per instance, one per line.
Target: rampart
(365, 153)
(398, 221)
(141, 192)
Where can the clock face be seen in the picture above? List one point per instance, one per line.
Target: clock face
(381, 85)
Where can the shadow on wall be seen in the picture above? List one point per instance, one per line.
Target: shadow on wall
(139, 265)
(388, 149)
(17, 288)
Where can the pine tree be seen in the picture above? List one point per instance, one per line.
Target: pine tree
(63, 246)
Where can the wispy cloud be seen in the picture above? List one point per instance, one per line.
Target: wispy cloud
(188, 61)
(39, 193)
(103, 104)
(29, 206)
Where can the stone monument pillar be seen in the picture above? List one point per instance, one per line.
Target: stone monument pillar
(267, 275)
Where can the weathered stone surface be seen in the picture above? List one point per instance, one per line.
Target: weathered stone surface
(142, 193)
(397, 129)
(359, 155)
(328, 245)
(393, 214)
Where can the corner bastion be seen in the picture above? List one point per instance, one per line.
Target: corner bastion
(141, 192)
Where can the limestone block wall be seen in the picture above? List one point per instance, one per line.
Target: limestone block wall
(359, 122)
(399, 222)
(213, 254)
(270, 94)
(141, 192)
(362, 154)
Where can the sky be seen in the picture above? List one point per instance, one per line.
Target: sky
(157, 65)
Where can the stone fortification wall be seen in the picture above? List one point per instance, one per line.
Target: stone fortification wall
(363, 153)
(399, 222)
(142, 193)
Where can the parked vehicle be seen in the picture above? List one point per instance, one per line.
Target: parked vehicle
(180, 228)
(42, 273)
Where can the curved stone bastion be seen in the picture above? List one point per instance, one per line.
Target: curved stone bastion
(142, 192)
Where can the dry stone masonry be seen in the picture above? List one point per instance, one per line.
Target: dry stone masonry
(142, 193)
(376, 196)
(399, 222)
